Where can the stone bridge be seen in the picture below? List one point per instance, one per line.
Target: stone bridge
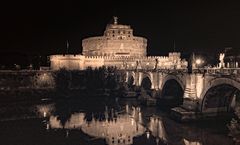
(208, 91)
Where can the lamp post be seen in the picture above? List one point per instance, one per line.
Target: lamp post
(198, 62)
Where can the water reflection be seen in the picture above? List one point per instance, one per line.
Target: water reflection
(186, 142)
(55, 122)
(116, 127)
(157, 129)
(127, 125)
(45, 110)
(116, 130)
(76, 121)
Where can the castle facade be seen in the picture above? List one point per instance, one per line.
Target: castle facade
(117, 47)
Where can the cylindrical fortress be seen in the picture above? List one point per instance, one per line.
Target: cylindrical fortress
(118, 40)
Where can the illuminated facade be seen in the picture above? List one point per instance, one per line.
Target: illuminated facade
(117, 41)
(117, 47)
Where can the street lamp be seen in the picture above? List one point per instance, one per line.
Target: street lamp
(199, 61)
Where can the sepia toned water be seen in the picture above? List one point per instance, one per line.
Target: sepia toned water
(101, 121)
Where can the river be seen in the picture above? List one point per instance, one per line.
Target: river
(100, 121)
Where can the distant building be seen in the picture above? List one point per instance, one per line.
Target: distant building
(117, 47)
(232, 57)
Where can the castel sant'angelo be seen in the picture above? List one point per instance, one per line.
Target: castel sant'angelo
(118, 47)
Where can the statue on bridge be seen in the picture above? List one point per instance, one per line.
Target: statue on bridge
(221, 59)
(138, 64)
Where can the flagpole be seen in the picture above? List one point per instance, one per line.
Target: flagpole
(67, 46)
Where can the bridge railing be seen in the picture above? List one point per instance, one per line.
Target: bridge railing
(223, 71)
(213, 71)
(158, 70)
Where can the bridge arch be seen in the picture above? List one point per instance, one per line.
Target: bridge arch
(181, 82)
(146, 83)
(146, 79)
(172, 90)
(218, 95)
(131, 78)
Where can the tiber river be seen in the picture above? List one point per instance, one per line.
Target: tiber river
(101, 121)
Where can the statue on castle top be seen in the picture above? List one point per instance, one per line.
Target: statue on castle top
(115, 20)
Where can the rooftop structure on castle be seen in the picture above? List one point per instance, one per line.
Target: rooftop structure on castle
(117, 47)
(118, 40)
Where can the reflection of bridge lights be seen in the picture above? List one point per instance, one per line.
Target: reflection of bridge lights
(148, 134)
(47, 127)
(45, 110)
(44, 114)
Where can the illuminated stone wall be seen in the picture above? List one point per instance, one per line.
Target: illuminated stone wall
(70, 62)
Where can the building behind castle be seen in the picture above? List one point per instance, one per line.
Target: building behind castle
(118, 47)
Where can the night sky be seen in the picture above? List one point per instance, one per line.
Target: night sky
(34, 28)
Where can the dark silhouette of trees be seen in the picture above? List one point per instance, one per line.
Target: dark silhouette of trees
(91, 80)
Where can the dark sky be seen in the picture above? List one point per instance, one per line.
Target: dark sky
(42, 27)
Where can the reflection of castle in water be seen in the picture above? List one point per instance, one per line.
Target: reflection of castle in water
(120, 130)
(76, 121)
(115, 129)
(121, 127)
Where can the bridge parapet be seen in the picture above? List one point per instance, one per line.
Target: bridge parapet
(225, 71)
(159, 70)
